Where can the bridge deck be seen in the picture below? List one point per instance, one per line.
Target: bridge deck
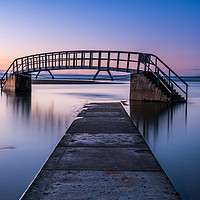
(102, 156)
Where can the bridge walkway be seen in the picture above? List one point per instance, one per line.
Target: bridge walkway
(101, 156)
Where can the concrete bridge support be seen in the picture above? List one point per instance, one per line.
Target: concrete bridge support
(142, 89)
(18, 83)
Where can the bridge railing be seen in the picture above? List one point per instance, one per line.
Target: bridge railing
(173, 80)
(132, 62)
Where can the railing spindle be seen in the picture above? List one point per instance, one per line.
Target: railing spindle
(52, 61)
(156, 64)
(128, 60)
(33, 63)
(138, 65)
(74, 60)
(45, 60)
(66, 54)
(27, 63)
(59, 60)
(99, 61)
(82, 60)
(91, 60)
(39, 63)
(118, 57)
(22, 65)
(108, 61)
(16, 64)
(158, 77)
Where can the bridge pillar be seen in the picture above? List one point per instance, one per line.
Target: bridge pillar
(18, 83)
(142, 89)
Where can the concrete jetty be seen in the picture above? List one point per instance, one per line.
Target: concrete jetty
(101, 156)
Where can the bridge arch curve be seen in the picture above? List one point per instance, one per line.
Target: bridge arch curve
(100, 60)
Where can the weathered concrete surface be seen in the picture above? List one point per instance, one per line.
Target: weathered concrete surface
(102, 156)
(142, 89)
(18, 83)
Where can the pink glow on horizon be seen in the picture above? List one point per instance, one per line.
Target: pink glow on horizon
(171, 32)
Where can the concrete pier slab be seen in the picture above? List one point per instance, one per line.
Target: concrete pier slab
(101, 156)
(105, 139)
(103, 125)
(107, 185)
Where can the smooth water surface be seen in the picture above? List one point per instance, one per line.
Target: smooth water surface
(173, 134)
(31, 126)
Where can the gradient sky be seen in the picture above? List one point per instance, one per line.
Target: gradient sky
(168, 28)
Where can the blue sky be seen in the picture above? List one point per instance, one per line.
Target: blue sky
(168, 28)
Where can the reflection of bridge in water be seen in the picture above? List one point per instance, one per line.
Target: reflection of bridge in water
(34, 113)
(155, 120)
(131, 62)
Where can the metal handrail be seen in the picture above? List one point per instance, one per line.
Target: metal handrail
(171, 81)
(93, 59)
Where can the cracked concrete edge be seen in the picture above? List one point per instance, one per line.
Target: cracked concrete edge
(37, 176)
(122, 103)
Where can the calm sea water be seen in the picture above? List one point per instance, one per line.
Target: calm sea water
(173, 134)
(31, 126)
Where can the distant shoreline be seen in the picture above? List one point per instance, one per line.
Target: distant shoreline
(73, 81)
(98, 81)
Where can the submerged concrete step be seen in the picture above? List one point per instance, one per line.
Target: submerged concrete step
(101, 156)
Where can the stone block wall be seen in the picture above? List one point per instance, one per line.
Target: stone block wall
(142, 89)
(18, 83)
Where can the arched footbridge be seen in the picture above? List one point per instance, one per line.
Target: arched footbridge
(131, 62)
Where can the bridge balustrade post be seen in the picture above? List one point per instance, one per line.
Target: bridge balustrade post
(62, 59)
(82, 60)
(16, 64)
(22, 65)
(118, 56)
(27, 63)
(59, 60)
(108, 66)
(128, 60)
(49, 61)
(13, 66)
(186, 93)
(108, 62)
(52, 61)
(39, 63)
(74, 60)
(158, 78)
(66, 55)
(42, 62)
(33, 63)
(91, 60)
(99, 61)
(45, 61)
(156, 63)
(69, 59)
(148, 65)
(145, 63)
(138, 66)
(55, 61)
